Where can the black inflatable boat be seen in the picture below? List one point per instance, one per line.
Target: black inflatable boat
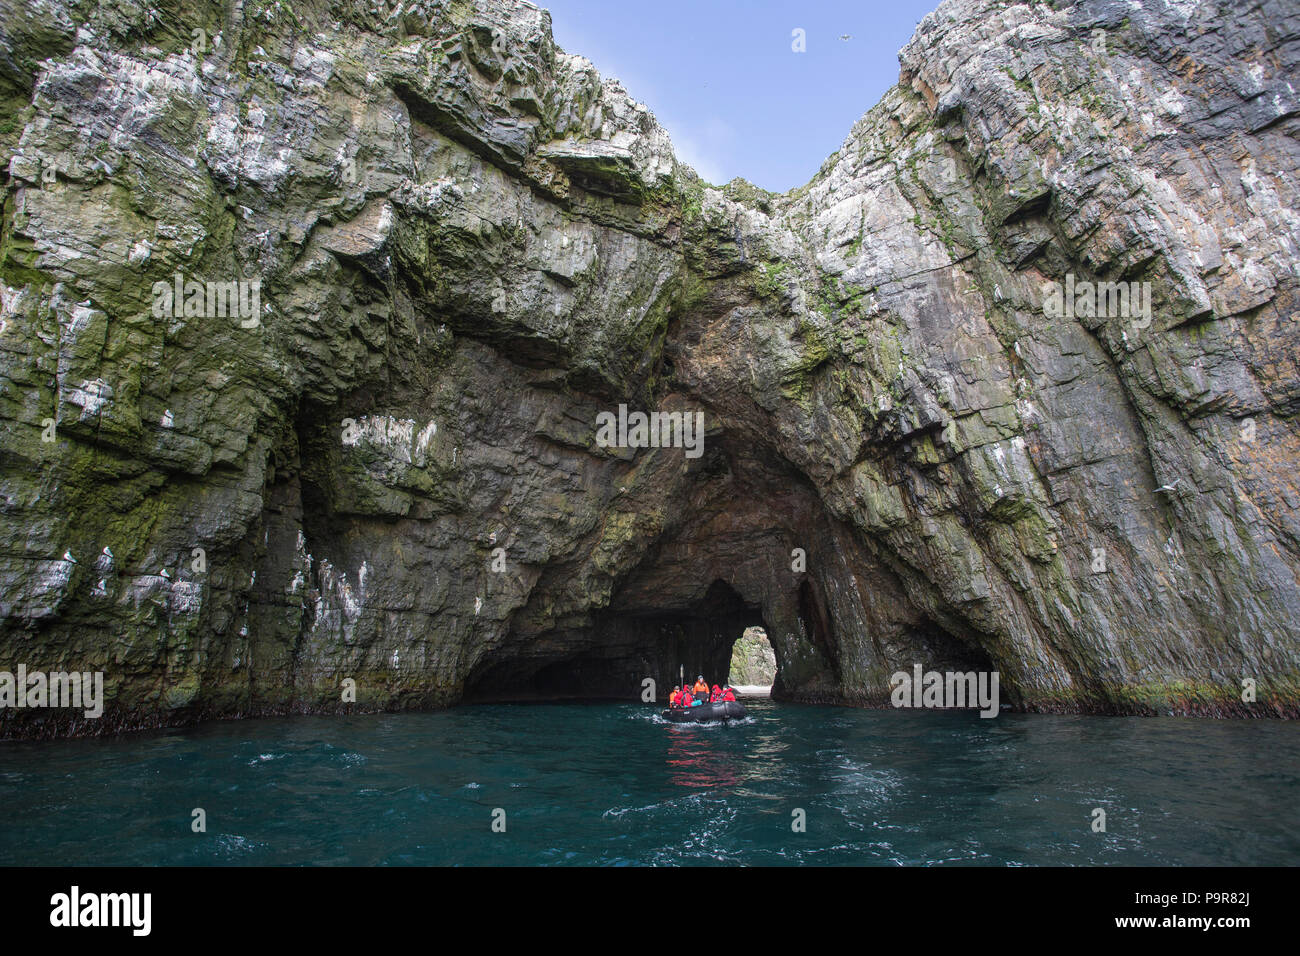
(723, 710)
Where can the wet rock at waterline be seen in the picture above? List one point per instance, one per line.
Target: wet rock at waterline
(415, 252)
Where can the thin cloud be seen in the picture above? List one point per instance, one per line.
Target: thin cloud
(703, 147)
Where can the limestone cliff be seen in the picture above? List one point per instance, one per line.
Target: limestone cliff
(310, 308)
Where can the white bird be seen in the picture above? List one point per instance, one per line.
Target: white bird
(108, 551)
(1169, 487)
(166, 574)
(1017, 350)
(67, 556)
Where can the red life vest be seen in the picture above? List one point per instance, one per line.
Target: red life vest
(728, 695)
(685, 699)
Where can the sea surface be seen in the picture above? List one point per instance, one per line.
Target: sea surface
(614, 784)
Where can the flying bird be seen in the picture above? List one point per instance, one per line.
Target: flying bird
(1169, 487)
(846, 36)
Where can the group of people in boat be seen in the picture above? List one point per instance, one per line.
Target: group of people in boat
(689, 695)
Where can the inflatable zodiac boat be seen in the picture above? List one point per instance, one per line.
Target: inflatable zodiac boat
(723, 710)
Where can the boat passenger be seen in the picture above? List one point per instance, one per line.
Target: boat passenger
(672, 698)
(715, 695)
(701, 689)
(727, 694)
(685, 700)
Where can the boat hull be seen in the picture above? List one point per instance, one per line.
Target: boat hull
(706, 713)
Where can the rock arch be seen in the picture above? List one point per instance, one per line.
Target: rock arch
(468, 251)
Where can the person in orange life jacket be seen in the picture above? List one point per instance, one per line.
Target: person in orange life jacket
(715, 695)
(701, 689)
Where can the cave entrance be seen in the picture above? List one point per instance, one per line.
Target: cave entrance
(621, 649)
(701, 641)
(753, 661)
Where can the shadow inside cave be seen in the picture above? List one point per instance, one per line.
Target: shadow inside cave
(614, 658)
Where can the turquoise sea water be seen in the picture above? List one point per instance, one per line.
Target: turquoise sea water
(610, 783)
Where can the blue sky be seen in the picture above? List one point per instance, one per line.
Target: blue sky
(720, 75)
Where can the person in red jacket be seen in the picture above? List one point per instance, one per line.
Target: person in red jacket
(727, 694)
(715, 695)
(672, 698)
(685, 700)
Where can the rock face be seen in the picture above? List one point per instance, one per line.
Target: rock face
(310, 311)
(753, 662)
